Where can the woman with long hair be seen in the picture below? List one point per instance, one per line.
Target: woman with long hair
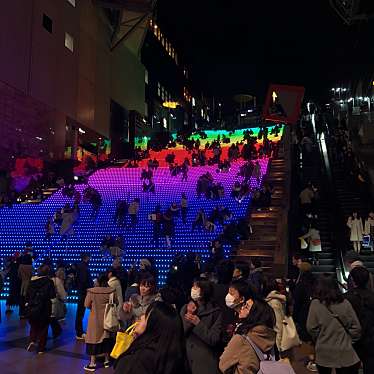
(257, 321)
(334, 326)
(159, 346)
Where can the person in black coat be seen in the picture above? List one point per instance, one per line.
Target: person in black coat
(159, 346)
(39, 307)
(362, 301)
(302, 295)
(83, 282)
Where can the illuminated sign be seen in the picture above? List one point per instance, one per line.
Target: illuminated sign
(170, 104)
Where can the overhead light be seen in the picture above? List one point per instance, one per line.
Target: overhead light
(38, 137)
(170, 104)
(333, 89)
(359, 98)
(242, 114)
(81, 131)
(350, 99)
(337, 89)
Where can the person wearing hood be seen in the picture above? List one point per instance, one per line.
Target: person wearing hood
(38, 305)
(257, 321)
(98, 340)
(202, 323)
(277, 301)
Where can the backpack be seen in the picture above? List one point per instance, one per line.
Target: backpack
(34, 308)
(268, 365)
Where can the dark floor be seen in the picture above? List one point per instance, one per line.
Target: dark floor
(64, 355)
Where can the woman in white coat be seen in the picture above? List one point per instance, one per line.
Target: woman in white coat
(356, 227)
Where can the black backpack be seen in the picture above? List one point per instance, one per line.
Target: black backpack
(34, 308)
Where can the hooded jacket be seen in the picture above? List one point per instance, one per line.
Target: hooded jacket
(240, 355)
(41, 290)
(278, 303)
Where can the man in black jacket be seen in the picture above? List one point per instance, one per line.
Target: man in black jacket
(84, 281)
(362, 301)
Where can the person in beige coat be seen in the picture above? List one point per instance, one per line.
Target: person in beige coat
(356, 231)
(257, 321)
(277, 301)
(98, 341)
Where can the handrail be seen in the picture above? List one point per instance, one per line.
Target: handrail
(331, 188)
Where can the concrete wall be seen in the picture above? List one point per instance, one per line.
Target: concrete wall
(43, 82)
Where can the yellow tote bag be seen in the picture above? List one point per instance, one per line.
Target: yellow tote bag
(123, 341)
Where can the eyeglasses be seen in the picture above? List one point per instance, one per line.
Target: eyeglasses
(246, 306)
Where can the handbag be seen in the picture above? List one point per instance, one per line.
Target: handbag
(290, 337)
(316, 242)
(303, 243)
(58, 309)
(123, 341)
(111, 322)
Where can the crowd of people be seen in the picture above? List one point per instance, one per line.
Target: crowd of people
(220, 316)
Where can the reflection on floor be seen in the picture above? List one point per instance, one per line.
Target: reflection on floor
(63, 355)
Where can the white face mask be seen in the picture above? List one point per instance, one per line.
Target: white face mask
(195, 294)
(230, 301)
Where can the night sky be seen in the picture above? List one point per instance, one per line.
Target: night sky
(240, 46)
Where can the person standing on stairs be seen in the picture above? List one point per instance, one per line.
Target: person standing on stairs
(184, 207)
(369, 226)
(133, 211)
(356, 231)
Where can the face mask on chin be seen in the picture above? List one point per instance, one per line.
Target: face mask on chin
(195, 294)
(230, 301)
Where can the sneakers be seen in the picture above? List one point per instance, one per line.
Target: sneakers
(311, 366)
(90, 368)
(107, 364)
(81, 337)
(30, 347)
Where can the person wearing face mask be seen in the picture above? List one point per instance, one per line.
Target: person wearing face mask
(257, 321)
(138, 303)
(202, 323)
(238, 292)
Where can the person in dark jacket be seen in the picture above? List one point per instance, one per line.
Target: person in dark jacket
(159, 346)
(84, 281)
(362, 301)
(256, 276)
(202, 323)
(39, 307)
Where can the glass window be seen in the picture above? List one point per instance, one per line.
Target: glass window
(69, 42)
